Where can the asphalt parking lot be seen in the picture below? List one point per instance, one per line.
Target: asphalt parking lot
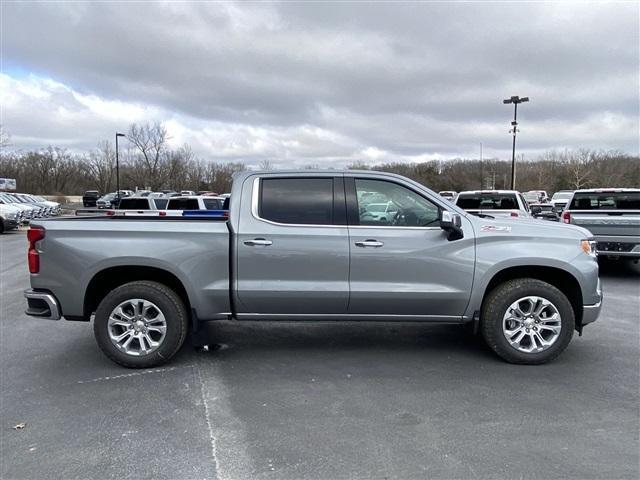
(319, 401)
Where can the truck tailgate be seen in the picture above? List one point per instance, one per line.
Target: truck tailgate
(603, 223)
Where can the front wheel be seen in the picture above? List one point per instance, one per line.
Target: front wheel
(140, 324)
(527, 321)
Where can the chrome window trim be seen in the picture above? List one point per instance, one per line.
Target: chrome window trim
(255, 198)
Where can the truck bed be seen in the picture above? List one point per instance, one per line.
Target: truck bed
(77, 250)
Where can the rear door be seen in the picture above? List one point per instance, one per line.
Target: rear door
(404, 265)
(293, 248)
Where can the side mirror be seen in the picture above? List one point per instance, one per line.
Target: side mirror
(536, 210)
(452, 224)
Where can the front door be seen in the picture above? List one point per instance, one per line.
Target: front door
(293, 249)
(401, 261)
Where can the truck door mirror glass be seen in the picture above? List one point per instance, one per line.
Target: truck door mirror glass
(452, 224)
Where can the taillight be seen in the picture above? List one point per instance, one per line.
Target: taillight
(162, 213)
(566, 216)
(34, 234)
(514, 214)
(110, 213)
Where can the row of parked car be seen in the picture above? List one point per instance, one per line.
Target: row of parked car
(19, 208)
(612, 215)
(511, 203)
(144, 202)
(92, 198)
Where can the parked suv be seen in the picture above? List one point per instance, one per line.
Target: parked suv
(90, 198)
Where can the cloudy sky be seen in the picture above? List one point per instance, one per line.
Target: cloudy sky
(303, 83)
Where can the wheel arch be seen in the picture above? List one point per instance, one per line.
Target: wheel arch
(110, 278)
(559, 278)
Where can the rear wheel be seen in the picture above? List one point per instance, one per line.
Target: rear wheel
(1, 226)
(140, 324)
(527, 321)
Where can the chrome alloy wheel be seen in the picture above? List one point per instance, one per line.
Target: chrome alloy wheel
(531, 324)
(137, 327)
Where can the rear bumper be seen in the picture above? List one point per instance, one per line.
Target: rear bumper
(42, 304)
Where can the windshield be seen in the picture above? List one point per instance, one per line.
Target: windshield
(606, 201)
(487, 201)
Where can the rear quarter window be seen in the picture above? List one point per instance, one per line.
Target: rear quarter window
(134, 204)
(488, 201)
(183, 204)
(606, 201)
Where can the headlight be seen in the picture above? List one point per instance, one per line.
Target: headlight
(11, 216)
(588, 247)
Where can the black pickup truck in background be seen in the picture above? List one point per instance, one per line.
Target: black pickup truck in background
(90, 198)
(612, 215)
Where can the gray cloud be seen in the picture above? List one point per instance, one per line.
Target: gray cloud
(326, 82)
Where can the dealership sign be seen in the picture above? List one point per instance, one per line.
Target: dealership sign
(7, 183)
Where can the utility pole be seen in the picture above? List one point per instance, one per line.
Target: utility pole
(118, 166)
(515, 99)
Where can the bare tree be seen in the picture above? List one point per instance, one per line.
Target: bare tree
(266, 164)
(579, 168)
(151, 142)
(5, 138)
(101, 165)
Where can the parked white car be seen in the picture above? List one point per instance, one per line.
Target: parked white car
(195, 202)
(560, 199)
(10, 217)
(495, 203)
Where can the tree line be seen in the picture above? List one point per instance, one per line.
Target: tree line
(148, 161)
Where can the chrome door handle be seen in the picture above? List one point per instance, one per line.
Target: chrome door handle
(369, 243)
(258, 241)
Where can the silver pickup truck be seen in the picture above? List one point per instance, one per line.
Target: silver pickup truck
(303, 246)
(612, 215)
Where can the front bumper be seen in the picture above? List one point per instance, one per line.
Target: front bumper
(42, 304)
(590, 313)
(11, 223)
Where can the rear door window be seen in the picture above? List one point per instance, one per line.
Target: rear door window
(305, 201)
(606, 201)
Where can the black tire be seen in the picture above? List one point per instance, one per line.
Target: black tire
(1, 226)
(167, 301)
(498, 301)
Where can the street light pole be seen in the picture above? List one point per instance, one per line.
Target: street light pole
(515, 99)
(118, 165)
